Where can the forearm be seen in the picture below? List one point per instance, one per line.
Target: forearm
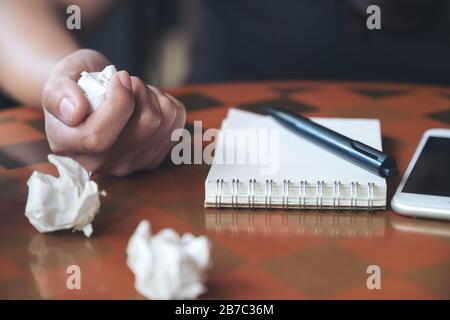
(33, 38)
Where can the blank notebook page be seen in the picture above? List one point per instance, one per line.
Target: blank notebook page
(298, 158)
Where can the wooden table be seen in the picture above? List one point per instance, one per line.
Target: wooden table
(259, 254)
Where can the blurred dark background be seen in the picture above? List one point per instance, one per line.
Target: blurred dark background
(172, 42)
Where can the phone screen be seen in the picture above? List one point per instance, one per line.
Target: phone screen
(431, 172)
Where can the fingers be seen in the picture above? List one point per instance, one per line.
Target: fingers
(147, 101)
(61, 96)
(137, 135)
(155, 148)
(105, 124)
(171, 109)
(161, 150)
(146, 118)
(101, 129)
(153, 157)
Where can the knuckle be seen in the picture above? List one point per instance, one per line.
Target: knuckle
(181, 110)
(122, 170)
(174, 111)
(149, 121)
(164, 101)
(48, 95)
(93, 142)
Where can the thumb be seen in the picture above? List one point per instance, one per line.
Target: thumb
(64, 99)
(61, 96)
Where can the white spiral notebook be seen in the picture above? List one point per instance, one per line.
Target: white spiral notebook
(260, 164)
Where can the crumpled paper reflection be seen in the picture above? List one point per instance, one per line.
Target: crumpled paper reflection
(95, 84)
(167, 266)
(69, 201)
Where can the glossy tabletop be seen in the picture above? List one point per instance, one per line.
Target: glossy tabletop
(257, 254)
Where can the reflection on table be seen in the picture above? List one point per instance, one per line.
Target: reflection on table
(48, 254)
(328, 224)
(52, 254)
(420, 226)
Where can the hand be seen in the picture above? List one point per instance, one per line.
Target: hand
(130, 131)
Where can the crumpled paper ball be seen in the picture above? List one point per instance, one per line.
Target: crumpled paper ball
(69, 201)
(95, 84)
(167, 266)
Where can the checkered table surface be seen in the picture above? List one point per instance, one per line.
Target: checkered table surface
(256, 254)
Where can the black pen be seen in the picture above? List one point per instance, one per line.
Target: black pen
(351, 150)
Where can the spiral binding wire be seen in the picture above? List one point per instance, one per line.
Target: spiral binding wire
(354, 196)
(251, 193)
(268, 195)
(285, 199)
(370, 196)
(219, 186)
(302, 195)
(336, 195)
(235, 193)
(319, 195)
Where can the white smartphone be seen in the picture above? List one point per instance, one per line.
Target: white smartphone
(424, 190)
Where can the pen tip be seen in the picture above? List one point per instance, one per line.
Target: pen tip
(390, 172)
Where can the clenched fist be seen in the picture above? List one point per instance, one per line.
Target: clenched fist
(130, 131)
